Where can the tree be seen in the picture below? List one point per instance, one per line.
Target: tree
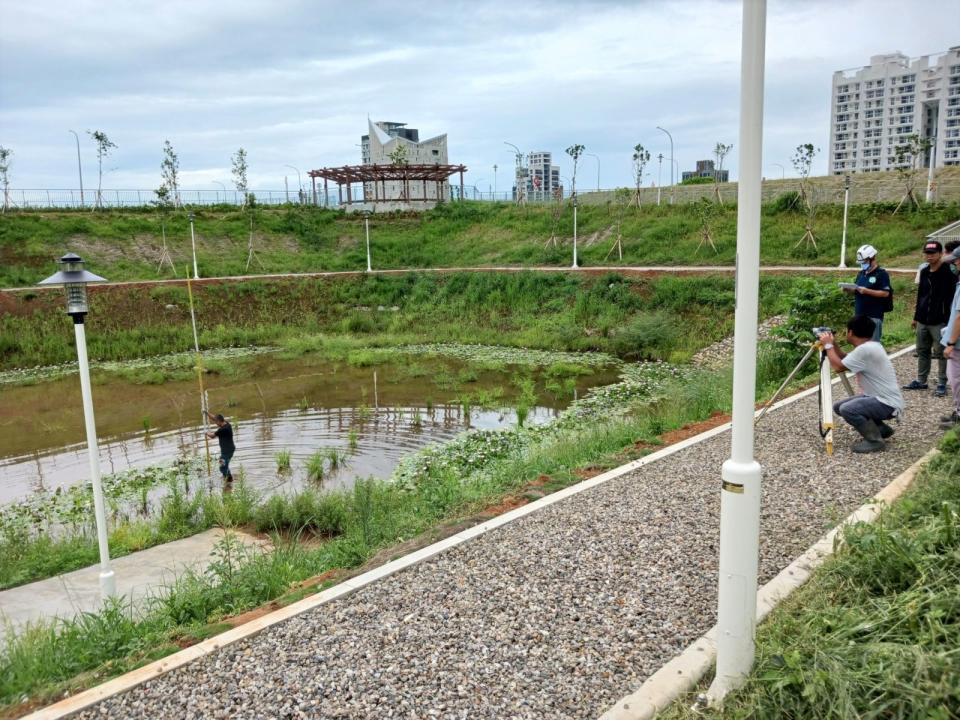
(909, 161)
(719, 152)
(706, 212)
(398, 156)
(641, 156)
(169, 191)
(574, 151)
(621, 198)
(239, 161)
(812, 205)
(104, 146)
(5, 155)
(802, 161)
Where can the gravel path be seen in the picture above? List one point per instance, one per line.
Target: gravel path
(556, 615)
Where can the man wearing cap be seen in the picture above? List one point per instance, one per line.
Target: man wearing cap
(935, 288)
(873, 290)
(950, 338)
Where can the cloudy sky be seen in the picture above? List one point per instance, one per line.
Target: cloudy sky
(293, 81)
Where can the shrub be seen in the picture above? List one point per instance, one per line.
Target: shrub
(811, 303)
(648, 336)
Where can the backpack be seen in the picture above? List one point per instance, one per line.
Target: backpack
(888, 301)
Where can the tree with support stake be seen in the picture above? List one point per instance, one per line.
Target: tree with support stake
(809, 239)
(908, 159)
(706, 212)
(803, 162)
(621, 198)
(104, 146)
(720, 152)
(641, 156)
(169, 191)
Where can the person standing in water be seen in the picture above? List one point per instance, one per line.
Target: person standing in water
(224, 434)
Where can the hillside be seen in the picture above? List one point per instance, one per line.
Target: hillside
(128, 244)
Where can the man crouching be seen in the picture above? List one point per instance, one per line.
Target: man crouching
(880, 397)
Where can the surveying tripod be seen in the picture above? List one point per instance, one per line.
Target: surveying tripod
(825, 393)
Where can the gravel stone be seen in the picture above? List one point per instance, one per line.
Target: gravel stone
(556, 615)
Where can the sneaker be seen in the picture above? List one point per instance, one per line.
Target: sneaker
(916, 385)
(941, 390)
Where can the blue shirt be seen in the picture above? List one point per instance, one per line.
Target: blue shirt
(872, 307)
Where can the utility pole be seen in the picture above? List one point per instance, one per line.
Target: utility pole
(79, 168)
(659, 172)
(671, 161)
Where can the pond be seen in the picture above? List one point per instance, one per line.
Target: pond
(367, 418)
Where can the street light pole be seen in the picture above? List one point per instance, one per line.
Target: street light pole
(217, 182)
(79, 168)
(574, 266)
(494, 182)
(521, 191)
(366, 224)
(671, 161)
(598, 168)
(846, 204)
(741, 474)
(783, 171)
(74, 279)
(659, 172)
(933, 158)
(193, 246)
(299, 184)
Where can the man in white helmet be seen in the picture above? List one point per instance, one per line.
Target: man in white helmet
(874, 294)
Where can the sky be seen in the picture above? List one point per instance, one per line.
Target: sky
(293, 82)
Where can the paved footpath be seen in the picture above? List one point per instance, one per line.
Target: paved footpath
(556, 615)
(138, 576)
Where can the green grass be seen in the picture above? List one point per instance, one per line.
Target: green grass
(122, 244)
(876, 631)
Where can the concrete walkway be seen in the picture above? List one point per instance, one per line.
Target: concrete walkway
(557, 614)
(138, 576)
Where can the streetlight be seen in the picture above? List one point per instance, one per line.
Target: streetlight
(846, 204)
(933, 158)
(366, 223)
(741, 475)
(521, 192)
(217, 182)
(494, 181)
(783, 170)
(193, 245)
(79, 168)
(659, 169)
(671, 161)
(574, 266)
(74, 279)
(299, 184)
(476, 183)
(598, 168)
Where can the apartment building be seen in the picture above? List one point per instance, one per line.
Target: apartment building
(539, 178)
(874, 108)
(707, 169)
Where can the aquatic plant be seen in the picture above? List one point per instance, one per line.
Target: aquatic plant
(283, 460)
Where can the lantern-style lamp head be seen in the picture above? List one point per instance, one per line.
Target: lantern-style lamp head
(74, 278)
(846, 182)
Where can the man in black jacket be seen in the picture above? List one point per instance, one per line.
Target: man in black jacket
(936, 284)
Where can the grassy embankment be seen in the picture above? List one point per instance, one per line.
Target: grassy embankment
(875, 633)
(127, 244)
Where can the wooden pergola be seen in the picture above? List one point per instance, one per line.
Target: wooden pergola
(413, 177)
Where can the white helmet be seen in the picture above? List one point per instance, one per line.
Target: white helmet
(866, 252)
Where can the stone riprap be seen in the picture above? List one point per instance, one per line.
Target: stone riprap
(556, 615)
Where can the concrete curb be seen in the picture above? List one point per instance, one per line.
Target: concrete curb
(125, 682)
(681, 674)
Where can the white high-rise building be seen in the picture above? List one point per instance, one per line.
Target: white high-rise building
(874, 108)
(539, 179)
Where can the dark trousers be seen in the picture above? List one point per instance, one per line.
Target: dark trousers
(225, 464)
(860, 408)
(928, 346)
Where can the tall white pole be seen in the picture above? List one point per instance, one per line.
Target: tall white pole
(659, 172)
(574, 266)
(79, 166)
(108, 585)
(671, 161)
(846, 206)
(366, 222)
(741, 474)
(193, 246)
(933, 158)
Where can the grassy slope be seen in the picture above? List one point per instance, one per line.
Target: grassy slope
(126, 244)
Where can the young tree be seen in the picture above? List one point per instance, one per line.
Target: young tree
(398, 156)
(239, 161)
(104, 146)
(5, 155)
(621, 198)
(720, 152)
(574, 151)
(169, 191)
(909, 162)
(706, 212)
(809, 238)
(641, 156)
(802, 162)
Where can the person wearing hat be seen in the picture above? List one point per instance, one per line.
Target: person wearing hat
(935, 287)
(874, 294)
(951, 337)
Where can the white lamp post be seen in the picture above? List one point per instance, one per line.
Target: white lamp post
(574, 266)
(846, 204)
(79, 166)
(299, 184)
(741, 474)
(494, 182)
(366, 224)
(659, 169)
(193, 246)
(933, 158)
(74, 278)
(671, 160)
(783, 170)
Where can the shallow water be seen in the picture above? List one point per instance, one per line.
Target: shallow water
(301, 406)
